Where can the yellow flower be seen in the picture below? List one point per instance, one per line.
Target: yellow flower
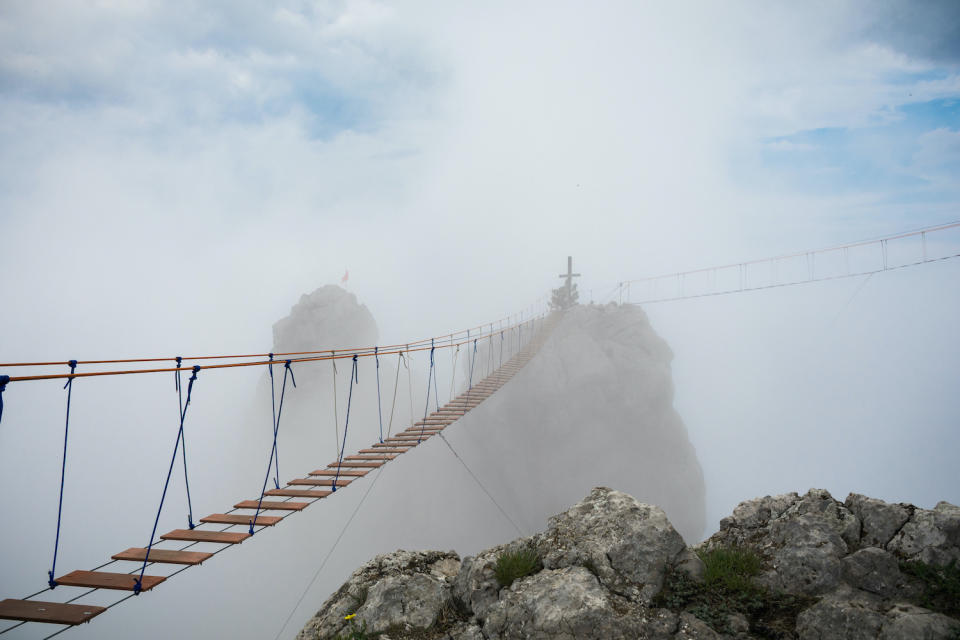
(350, 617)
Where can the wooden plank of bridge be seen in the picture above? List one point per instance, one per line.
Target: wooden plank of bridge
(271, 506)
(319, 482)
(384, 450)
(166, 556)
(389, 445)
(196, 535)
(108, 580)
(343, 472)
(239, 518)
(298, 493)
(360, 465)
(371, 456)
(53, 612)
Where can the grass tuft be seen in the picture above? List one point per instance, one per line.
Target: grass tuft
(728, 589)
(941, 586)
(731, 568)
(357, 633)
(512, 565)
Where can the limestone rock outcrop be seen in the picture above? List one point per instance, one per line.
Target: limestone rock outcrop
(612, 567)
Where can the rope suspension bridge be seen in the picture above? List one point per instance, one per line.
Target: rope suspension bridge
(863, 258)
(519, 340)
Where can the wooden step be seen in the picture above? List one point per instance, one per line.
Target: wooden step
(108, 580)
(166, 556)
(372, 456)
(320, 482)
(391, 445)
(240, 518)
(383, 450)
(53, 612)
(351, 464)
(196, 535)
(272, 506)
(343, 472)
(298, 493)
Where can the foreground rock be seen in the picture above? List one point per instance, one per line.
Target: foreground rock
(611, 567)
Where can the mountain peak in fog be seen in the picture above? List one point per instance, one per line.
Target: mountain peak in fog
(330, 317)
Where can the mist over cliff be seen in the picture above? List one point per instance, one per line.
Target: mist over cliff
(595, 406)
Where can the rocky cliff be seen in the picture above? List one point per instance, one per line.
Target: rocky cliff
(595, 406)
(786, 566)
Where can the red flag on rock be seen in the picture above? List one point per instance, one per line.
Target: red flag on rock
(346, 276)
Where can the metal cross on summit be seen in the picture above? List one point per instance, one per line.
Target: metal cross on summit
(569, 275)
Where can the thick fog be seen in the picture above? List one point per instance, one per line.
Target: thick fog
(173, 178)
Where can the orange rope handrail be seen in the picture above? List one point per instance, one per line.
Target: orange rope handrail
(359, 350)
(363, 352)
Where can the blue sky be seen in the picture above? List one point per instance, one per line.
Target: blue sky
(890, 156)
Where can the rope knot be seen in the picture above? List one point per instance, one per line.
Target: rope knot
(286, 365)
(73, 367)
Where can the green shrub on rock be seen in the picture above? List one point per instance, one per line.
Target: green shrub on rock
(512, 565)
(728, 590)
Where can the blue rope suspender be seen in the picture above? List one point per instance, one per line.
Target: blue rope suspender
(183, 436)
(427, 407)
(63, 470)
(4, 381)
(138, 584)
(276, 429)
(354, 375)
(473, 357)
(501, 347)
(436, 394)
(379, 409)
(275, 456)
